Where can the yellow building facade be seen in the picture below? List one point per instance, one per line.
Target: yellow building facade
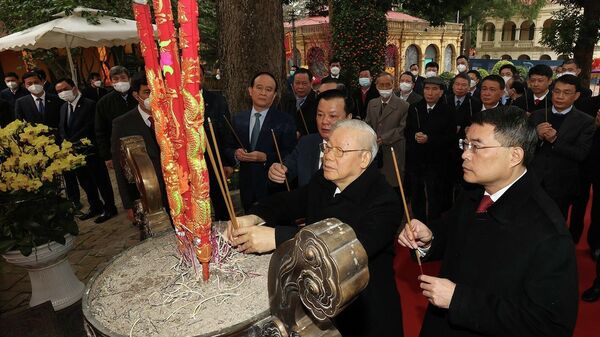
(518, 38)
(410, 40)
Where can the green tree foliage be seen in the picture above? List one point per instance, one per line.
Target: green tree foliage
(359, 33)
(575, 31)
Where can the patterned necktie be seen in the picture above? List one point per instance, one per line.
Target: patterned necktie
(458, 103)
(255, 131)
(41, 108)
(151, 120)
(537, 101)
(484, 204)
(429, 110)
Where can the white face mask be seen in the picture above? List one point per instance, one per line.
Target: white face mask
(335, 71)
(385, 93)
(461, 67)
(364, 82)
(97, 84)
(430, 73)
(36, 89)
(12, 85)
(147, 103)
(218, 76)
(506, 78)
(122, 87)
(568, 73)
(414, 72)
(405, 87)
(472, 84)
(67, 95)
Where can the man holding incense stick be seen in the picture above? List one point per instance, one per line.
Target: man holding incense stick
(565, 139)
(350, 188)
(508, 265)
(305, 159)
(253, 128)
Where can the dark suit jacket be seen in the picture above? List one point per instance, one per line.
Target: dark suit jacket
(26, 109)
(94, 93)
(412, 98)
(591, 166)
(8, 96)
(439, 126)
(464, 114)
(527, 102)
(6, 114)
(132, 124)
(419, 85)
(373, 210)
(557, 164)
(253, 176)
(109, 107)
(303, 161)
(514, 267)
(360, 105)
(308, 110)
(83, 121)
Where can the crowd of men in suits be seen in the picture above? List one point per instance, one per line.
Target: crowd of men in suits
(421, 118)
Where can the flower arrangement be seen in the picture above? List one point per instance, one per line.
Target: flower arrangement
(32, 210)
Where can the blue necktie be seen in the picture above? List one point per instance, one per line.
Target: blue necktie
(255, 131)
(41, 108)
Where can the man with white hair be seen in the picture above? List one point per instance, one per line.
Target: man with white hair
(350, 188)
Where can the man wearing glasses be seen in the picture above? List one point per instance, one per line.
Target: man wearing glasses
(565, 138)
(348, 187)
(508, 262)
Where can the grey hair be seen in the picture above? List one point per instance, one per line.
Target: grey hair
(370, 138)
(385, 73)
(118, 70)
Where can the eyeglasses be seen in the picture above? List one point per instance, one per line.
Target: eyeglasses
(557, 92)
(465, 145)
(337, 151)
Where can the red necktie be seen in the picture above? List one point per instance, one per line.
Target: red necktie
(151, 120)
(484, 204)
(536, 101)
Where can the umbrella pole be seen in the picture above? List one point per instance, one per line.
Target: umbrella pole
(71, 64)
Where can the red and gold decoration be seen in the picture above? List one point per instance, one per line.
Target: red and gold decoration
(178, 111)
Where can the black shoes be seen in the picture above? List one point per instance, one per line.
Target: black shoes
(90, 214)
(592, 294)
(105, 216)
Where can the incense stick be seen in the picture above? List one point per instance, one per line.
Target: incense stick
(221, 171)
(233, 131)
(230, 210)
(279, 157)
(395, 160)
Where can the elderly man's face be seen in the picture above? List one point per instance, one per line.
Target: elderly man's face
(345, 169)
(263, 92)
(328, 112)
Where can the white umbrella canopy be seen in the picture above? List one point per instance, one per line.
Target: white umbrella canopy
(74, 31)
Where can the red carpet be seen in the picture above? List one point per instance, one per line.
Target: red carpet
(414, 303)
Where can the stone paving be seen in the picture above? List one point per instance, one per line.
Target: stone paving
(95, 245)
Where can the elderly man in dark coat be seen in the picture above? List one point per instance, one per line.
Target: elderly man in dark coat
(509, 265)
(349, 188)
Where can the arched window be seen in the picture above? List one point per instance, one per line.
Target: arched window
(489, 32)
(506, 57)
(524, 57)
(563, 57)
(545, 57)
(412, 56)
(547, 24)
(509, 30)
(431, 54)
(486, 57)
(527, 31)
(448, 57)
